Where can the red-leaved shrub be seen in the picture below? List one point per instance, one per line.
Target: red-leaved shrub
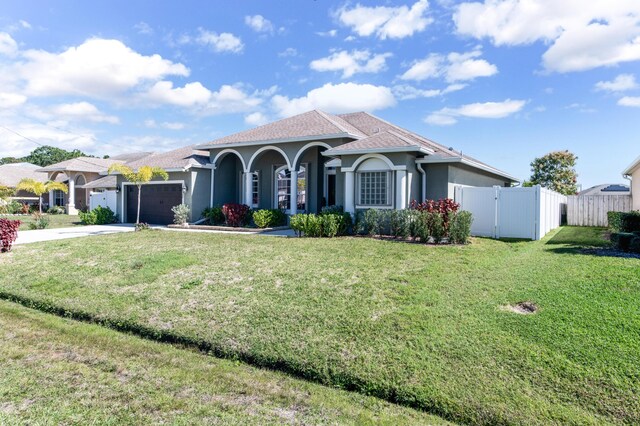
(236, 214)
(8, 233)
(444, 207)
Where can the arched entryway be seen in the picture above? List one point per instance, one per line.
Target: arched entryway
(80, 194)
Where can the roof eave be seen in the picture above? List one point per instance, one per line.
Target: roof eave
(280, 140)
(635, 164)
(468, 162)
(338, 151)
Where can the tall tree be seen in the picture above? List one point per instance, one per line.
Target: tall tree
(38, 188)
(556, 171)
(46, 155)
(142, 176)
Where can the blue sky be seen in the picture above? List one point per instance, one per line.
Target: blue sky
(502, 80)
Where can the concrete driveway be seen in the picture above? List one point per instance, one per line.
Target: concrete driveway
(26, 237)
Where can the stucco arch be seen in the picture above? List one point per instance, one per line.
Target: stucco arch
(230, 151)
(301, 151)
(267, 148)
(365, 157)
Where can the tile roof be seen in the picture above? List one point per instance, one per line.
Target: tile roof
(181, 158)
(11, 174)
(81, 164)
(308, 124)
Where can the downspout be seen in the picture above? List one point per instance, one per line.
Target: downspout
(424, 181)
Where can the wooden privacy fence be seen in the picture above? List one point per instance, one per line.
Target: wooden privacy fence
(591, 210)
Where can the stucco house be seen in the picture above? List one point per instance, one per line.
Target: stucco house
(79, 174)
(297, 164)
(12, 174)
(633, 174)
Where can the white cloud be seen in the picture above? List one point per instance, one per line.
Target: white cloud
(152, 124)
(11, 100)
(448, 116)
(289, 51)
(224, 42)
(406, 92)
(454, 67)
(191, 94)
(386, 22)
(235, 98)
(143, 28)
(621, 83)
(14, 145)
(336, 98)
(259, 24)
(8, 45)
(98, 67)
(630, 101)
(256, 119)
(581, 34)
(358, 61)
(83, 111)
(330, 33)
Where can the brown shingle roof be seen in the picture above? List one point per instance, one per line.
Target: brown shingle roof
(382, 140)
(11, 174)
(308, 124)
(103, 182)
(81, 164)
(181, 158)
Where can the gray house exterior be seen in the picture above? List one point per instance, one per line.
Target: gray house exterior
(297, 164)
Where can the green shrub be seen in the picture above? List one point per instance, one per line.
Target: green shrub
(372, 222)
(460, 227)
(630, 222)
(399, 223)
(56, 210)
(634, 245)
(40, 221)
(181, 214)
(329, 224)
(421, 226)
(332, 210)
(214, 215)
(269, 217)
(615, 221)
(622, 240)
(98, 216)
(296, 223)
(345, 223)
(436, 226)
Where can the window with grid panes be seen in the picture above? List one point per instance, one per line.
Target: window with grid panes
(373, 188)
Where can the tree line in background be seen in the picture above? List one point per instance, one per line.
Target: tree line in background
(45, 155)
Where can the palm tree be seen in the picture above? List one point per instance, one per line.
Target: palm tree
(38, 188)
(142, 176)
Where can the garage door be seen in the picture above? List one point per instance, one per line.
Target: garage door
(156, 203)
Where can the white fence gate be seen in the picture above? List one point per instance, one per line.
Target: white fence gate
(500, 212)
(591, 210)
(103, 199)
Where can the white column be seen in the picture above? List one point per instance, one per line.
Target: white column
(51, 199)
(248, 184)
(213, 171)
(349, 192)
(401, 189)
(71, 200)
(293, 202)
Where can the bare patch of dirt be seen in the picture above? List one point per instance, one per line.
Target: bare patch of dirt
(522, 308)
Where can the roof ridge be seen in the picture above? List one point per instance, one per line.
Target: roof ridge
(328, 116)
(404, 138)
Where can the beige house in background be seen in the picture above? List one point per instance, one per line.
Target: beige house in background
(633, 173)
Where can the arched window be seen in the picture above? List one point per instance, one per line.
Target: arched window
(283, 188)
(374, 184)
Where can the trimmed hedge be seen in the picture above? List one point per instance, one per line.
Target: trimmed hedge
(624, 221)
(322, 225)
(267, 218)
(98, 216)
(214, 215)
(626, 241)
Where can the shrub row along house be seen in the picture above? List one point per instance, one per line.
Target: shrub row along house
(298, 164)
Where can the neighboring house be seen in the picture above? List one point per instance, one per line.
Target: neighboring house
(633, 173)
(79, 172)
(12, 174)
(607, 189)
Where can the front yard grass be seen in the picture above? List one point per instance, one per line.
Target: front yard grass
(429, 327)
(57, 371)
(55, 220)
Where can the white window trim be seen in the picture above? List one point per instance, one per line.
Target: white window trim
(275, 185)
(256, 176)
(390, 190)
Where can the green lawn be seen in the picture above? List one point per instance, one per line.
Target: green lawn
(55, 220)
(425, 326)
(57, 371)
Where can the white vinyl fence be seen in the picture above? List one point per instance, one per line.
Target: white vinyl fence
(591, 210)
(103, 199)
(500, 212)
